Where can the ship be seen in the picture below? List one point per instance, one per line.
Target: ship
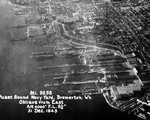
(57, 49)
(56, 74)
(79, 72)
(80, 82)
(67, 54)
(17, 40)
(42, 53)
(43, 68)
(67, 73)
(54, 67)
(52, 85)
(19, 26)
(43, 56)
(84, 91)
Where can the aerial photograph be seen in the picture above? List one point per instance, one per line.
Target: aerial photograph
(74, 60)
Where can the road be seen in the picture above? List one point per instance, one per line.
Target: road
(73, 40)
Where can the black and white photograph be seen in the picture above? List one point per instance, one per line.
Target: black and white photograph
(74, 59)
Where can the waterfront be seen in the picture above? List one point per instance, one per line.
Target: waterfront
(22, 71)
(25, 82)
